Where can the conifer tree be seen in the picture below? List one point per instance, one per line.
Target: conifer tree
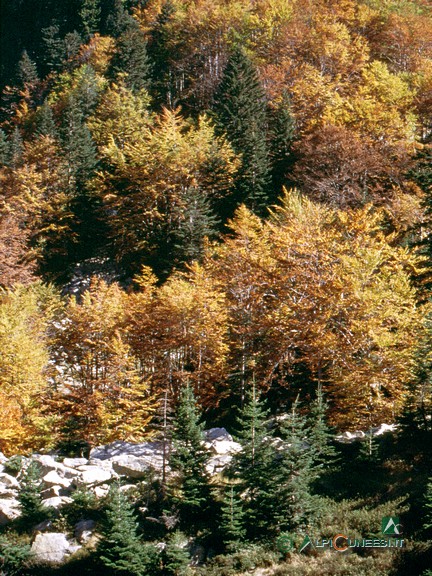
(80, 154)
(320, 435)
(295, 472)
(44, 122)
(176, 557)
(77, 144)
(29, 497)
(4, 149)
(282, 134)
(232, 519)
(196, 221)
(90, 17)
(240, 111)
(53, 53)
(188, 459)
(118, 18)
(131, 59)
(427, 526)
(255, 466)
(159, 52)
(120, 550)
(27, 71)
(16, 148)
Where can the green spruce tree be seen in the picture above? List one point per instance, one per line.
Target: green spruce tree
(176, 557)
(120, 550)
(160, 54)
(196, 221)
(29, 496)
(254, 466)
(282, 134)
(240, 111)
(4, 149)
(90, 14)
(320, 435)
(27, 72)
(296, 471)
(16, 148)
(78, 145)
(131, 61)
(44, 122)
(232, 519)
(191, 494)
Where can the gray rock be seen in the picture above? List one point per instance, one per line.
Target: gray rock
(3, 458)
(74, 462)
(217, 434)
(54, 479)
(7, 493)
(46, 463)
(92, 475)
(121, 448)
(225, 447)
(131, 466)
(218, 464)
(101, 491)
(52, 492)
(9, 510)
(56, 501)
(52, 547)
(9, 481)
(84, 530)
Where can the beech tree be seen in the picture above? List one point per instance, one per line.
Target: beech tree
(105, 397)
(24, 314)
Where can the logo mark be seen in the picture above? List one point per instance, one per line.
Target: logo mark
(390, 525)
(306, 542)
(284, 543)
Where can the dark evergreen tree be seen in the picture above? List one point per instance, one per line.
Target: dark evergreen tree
(118, 19)
(196, 221)
(131, 59)
(320, 435)
(44, 122)
(14, 556)
(86, 92)
(27, 72)
(416, 420)
(16, 148)
(176, 557)
(191, 495)
(90, 14)
(427, 525)
(160, 55)
(241, 112)
(295, 473)
(78, 145)
(282, 134)
(29, 496)
(4, 149)
(232, 519)
(120, 549)
(79, 150)
(53, 47)
(255, 467)
(72, 44)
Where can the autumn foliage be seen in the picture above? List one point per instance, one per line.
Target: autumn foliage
(224, 194)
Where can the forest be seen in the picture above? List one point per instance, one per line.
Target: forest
(219, 213)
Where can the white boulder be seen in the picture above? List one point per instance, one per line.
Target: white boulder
(52, 547)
